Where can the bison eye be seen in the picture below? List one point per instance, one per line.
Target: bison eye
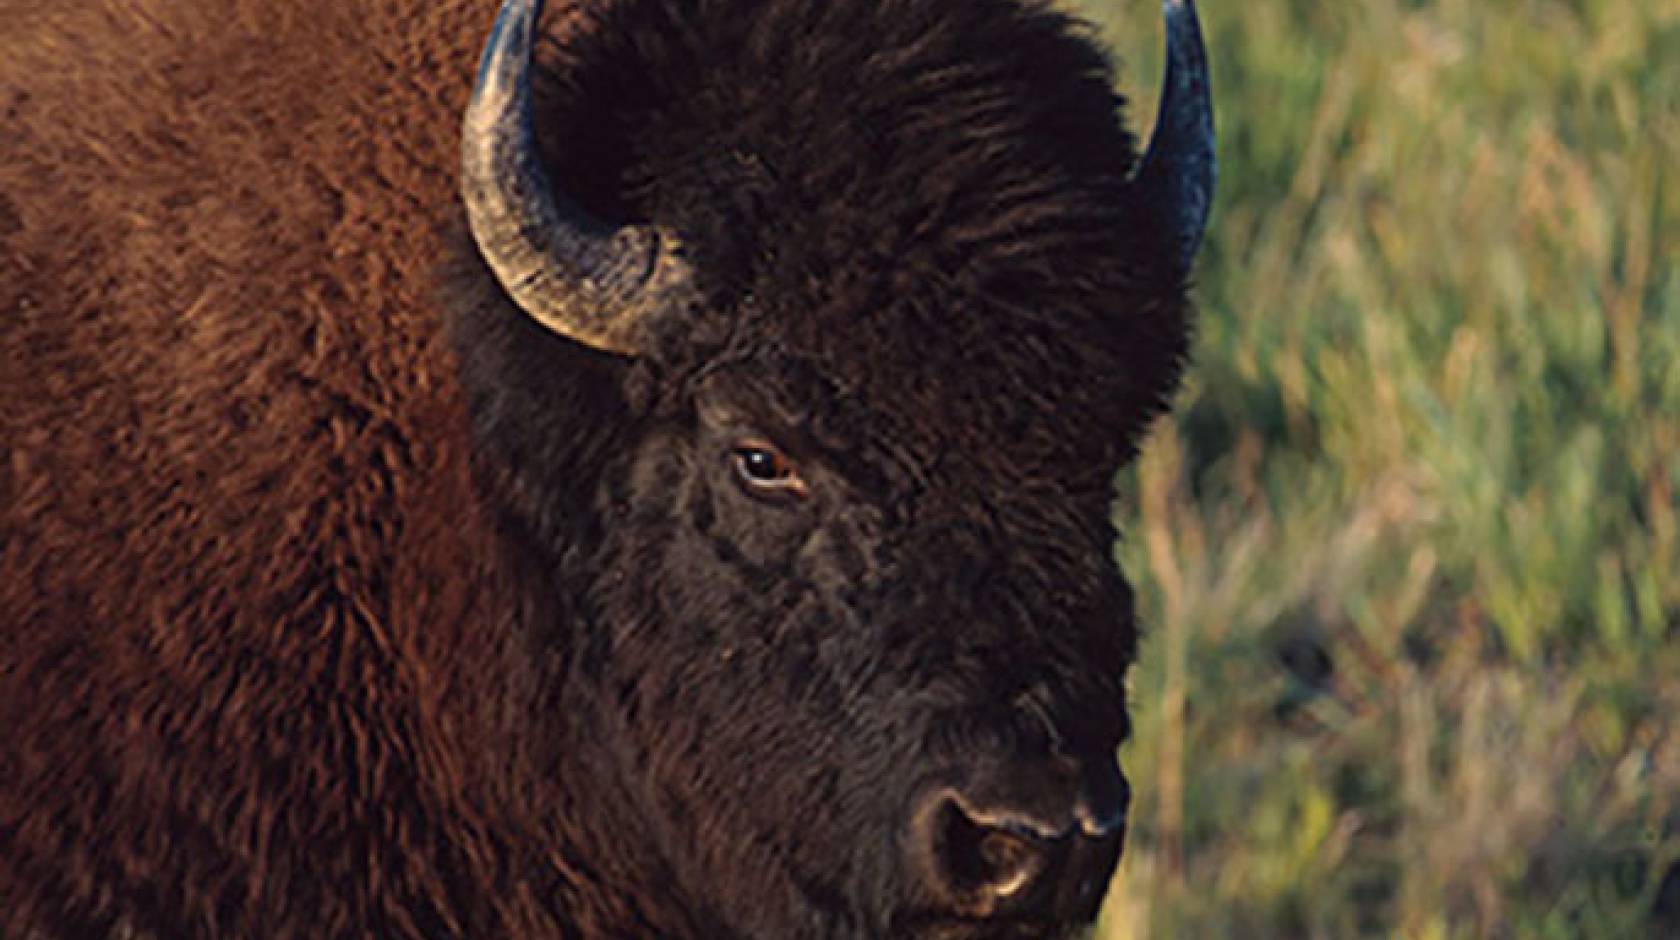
(766, 471)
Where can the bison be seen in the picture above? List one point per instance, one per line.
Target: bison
(670, 501)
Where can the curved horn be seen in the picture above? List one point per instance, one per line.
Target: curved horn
(1178, 170)
(582, 278)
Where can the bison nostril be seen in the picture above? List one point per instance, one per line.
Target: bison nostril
(979, 860)
(1020, 835)
(1010, 861)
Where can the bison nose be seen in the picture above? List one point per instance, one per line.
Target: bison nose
(1021, 836)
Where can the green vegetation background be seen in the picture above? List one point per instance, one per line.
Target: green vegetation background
(1408, 549)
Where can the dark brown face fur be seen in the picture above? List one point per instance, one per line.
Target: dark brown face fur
(921, 286)
(341, 599)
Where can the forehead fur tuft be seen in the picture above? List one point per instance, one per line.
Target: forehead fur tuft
(919, 206)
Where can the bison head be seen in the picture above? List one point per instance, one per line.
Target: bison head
(805, 461)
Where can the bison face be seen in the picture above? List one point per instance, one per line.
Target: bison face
(856, 699)
(819, 528)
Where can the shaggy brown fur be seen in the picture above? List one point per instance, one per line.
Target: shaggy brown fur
(281, 641)
(240, 553)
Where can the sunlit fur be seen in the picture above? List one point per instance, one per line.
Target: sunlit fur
(341, 599)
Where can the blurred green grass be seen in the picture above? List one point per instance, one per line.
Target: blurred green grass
(1407, 550)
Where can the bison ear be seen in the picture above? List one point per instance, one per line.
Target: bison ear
(1178, 171)
(595, 283)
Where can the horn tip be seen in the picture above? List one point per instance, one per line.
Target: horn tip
(506, 50)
